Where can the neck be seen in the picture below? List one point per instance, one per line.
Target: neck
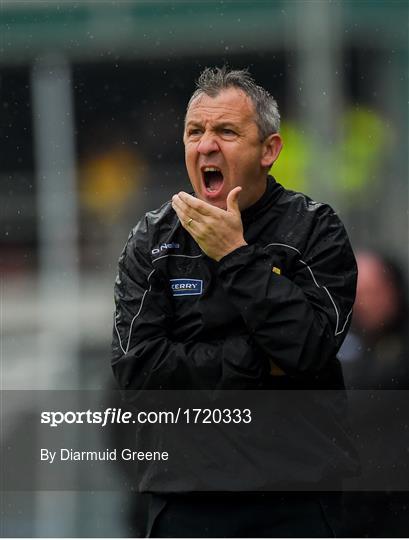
(257, 194)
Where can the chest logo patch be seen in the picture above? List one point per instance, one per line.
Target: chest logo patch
(186, 287)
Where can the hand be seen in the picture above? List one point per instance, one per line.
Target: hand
(218, 232)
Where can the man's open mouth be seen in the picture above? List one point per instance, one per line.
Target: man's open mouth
(212, 179)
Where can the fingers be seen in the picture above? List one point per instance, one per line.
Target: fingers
(205, 209)
(200, 206)
(184, 212)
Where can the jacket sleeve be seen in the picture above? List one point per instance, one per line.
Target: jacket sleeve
(144, 356)
(299, 320)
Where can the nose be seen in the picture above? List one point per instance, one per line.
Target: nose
(207, 144)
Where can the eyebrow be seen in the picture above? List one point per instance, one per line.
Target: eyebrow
(193, 123)
(228, 125)
(221, 125)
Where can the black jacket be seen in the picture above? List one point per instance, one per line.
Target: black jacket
(283, 301)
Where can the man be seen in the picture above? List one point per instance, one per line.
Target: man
(376, 350)
(375, 356)
(241, 285)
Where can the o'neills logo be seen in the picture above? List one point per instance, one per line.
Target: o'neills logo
(186, 287)
(164, 247)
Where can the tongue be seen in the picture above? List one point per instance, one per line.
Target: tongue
(215, 181)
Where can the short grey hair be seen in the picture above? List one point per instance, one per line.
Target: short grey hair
(213, 80)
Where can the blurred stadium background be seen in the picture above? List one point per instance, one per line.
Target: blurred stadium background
(93, 95)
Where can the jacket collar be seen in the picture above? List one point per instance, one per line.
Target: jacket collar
(271, 193)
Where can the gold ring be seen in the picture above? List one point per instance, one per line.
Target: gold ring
(189, 221)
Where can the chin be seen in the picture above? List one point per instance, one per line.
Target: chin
(213, 202)
(219, 204)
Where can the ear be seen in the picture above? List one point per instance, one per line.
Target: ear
(271, 150)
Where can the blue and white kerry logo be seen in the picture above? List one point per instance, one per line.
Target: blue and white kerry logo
(186, 287)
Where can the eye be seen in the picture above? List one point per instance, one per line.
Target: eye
(227, 132)
(192, 132)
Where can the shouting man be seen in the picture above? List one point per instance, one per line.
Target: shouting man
(239, 285)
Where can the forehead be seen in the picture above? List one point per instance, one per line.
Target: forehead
(231, 104)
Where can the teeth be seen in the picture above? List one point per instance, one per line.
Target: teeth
(211, 169)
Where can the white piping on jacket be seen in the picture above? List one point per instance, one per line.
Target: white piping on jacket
(337, 332)
(143, 298)
(177, 255)
(137, 314)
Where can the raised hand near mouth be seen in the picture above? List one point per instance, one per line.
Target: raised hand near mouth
(218, 232)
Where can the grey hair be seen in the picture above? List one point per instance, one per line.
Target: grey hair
(213, 80)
